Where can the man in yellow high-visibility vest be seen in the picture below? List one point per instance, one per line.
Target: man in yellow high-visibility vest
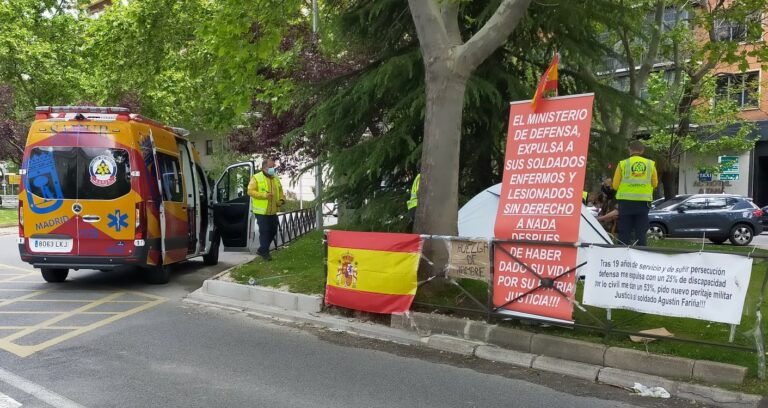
(634, 181)
(266, 197)
(413, 201)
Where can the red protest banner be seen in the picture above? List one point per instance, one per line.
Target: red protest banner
(544, 171)
(517, 288)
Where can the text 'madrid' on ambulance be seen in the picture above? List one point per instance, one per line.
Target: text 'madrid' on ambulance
(102, 187)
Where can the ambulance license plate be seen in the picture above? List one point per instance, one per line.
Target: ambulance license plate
(50, 245)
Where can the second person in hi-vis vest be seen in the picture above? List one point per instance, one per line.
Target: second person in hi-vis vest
(634, 181)
(266, 198)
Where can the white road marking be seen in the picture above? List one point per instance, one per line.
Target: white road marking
(8, 402)
(37, 391)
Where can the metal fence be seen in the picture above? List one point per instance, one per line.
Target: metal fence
(597, 320)
(294, 224)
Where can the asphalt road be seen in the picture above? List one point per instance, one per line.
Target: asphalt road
(109, 340)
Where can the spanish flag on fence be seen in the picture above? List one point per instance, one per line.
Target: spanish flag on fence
(372, 271)
(547, 83)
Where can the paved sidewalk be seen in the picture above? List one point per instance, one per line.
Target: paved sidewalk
(9, 230)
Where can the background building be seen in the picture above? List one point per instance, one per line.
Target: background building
(748, 89)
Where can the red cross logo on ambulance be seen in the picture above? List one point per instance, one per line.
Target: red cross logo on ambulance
(103, 171)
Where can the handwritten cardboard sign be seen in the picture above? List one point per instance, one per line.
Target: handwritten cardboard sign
(469, 259)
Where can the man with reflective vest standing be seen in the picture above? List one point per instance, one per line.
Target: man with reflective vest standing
(413, 202)
(266, 197)
(634, 181)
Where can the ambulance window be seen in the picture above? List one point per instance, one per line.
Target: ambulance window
(105, 174)
(239, 178)
(72, 173)
(170, 179)
(234, 184)
(52, 172)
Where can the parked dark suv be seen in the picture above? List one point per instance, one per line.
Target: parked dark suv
(718, 217)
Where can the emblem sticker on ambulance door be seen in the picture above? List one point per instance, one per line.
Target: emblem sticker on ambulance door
(103, 171)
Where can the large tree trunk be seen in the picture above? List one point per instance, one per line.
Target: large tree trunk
(440, 153)
(669, 181)
(448, 63)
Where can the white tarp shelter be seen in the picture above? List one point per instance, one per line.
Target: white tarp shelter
(478, 215)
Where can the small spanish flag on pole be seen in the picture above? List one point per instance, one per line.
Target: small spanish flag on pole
(547, 83)
(372, 271)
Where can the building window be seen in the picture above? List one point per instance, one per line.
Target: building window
(742, 89)
(748, 30)
(208, 147)
(672, 17)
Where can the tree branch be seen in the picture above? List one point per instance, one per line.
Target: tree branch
(450, 15)
(429, 26)
(704, 69)
(19, 148)
(630, 63)
(22, 83)
(605, 110)
(653, 45)
(493, 33)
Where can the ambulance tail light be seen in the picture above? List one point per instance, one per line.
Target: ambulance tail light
(21, 218)
(141, 220)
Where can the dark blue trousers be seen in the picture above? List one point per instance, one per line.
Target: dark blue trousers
(267, 231)
(633, 222)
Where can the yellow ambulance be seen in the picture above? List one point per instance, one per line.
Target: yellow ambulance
(102, 187)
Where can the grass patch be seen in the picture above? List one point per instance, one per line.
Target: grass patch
(300, 267)
(9, 217)
(449, 295)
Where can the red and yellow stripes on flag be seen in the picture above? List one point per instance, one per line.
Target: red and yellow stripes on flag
(372, 271)
(548, 82)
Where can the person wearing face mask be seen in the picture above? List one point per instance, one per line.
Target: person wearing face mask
(266, 198)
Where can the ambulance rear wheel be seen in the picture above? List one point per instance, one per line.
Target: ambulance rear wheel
(157, 275)
(55, 275)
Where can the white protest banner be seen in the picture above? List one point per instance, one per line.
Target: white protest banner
(701, 286)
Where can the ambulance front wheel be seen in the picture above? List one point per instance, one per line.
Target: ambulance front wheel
(157, 274)
(55, 275)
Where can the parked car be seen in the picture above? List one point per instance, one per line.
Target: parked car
(655, 203)
(764, 218)
(718, 217)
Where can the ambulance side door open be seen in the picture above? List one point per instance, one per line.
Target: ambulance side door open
(232, 208)
(174, 226)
